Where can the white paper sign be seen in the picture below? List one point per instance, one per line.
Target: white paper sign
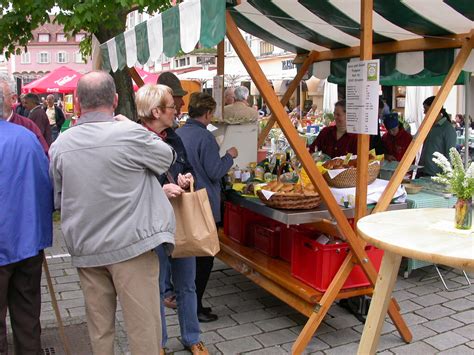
(362, 96)
(218, 95)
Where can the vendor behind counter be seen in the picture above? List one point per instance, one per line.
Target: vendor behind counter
(334, 140)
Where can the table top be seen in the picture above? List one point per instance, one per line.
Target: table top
(295, 217)
(426, 234)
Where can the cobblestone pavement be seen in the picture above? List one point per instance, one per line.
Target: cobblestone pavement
(253, 321)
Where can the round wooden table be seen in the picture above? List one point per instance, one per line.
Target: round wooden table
(425, 234)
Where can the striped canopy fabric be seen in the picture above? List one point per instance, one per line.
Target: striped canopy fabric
(321, 25)
(179, 28)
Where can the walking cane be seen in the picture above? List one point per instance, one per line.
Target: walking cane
(54, 302)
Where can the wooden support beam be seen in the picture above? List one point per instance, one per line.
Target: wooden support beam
(410, 45)
(136, 77)
(366, 8)
(220, 58)
(426, 125)
(286, 97)
(299, 147)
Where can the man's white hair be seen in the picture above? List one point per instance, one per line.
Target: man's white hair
(241, 93)
(4, 78)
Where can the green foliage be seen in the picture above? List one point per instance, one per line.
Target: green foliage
(459, 181)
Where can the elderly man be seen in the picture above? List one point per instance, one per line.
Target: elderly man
(229, 97)
(113, 214)
(9, 97)
(38, 116)
(239, 111)
(172, 81)
(55, 116)
(21, 109)
(25, 231)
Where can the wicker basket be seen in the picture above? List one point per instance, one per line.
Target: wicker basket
(291, 201)
(348, 177)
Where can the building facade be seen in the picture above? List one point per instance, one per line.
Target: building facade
(49, 49)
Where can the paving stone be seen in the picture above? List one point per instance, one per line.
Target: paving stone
(467, 331)
(388, 341)
(429, 300)
(223, 290)
(434, 312)
(465, 317)
(67, 279)
(239, 331)
(228, 300)
(244, 306)
(346, 349)
(238, 346)
(410, 319)
(235, 279)
(420, 332)
(221, 322)
(342, 336)
(446, 340)
(416, 348)
(245, 286)
(214, 283)
(314, 346)
(275, 324)
(274, 350)
(283, 310)
(342, 322)
(408, 306)
(452, 295)
(215, 275)
(386, 328)
(403, 295)
(67, 295)
(173, 331)
(460, 304)
(251, 316)
(458, 350)
(277, 337)
(443, 324)
(72, 286)
(172, 319)
(230, 272)
(211, 338)
(402, 284)
(386, 352)
(470, 344)
(322, 329)
(298, 318)
(253, 294)
(424, 290)
(77, 311)
(174, 345)
(222, 310)
(337, 310)
(77, 302)
(271, 301)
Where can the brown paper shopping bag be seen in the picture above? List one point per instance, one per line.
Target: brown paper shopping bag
(196, 232)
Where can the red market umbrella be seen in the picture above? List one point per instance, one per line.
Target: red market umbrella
(61, 80)
(147, 77)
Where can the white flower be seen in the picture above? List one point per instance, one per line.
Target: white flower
(470, 171)
(440, 160)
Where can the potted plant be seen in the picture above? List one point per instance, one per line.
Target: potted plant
(460, 182)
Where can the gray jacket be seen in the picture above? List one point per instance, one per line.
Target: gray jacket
(112, 206)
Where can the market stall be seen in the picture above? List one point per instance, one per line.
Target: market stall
(332, 34)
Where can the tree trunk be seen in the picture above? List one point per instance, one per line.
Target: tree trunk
(123, 81)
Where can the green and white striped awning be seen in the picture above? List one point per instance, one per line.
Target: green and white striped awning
(179, 28)
(321, 25)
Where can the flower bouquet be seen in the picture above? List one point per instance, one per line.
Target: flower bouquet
(460, 182)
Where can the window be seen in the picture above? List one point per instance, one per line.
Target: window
(227, 46)
(61, 37)
(78, 58)
(266, 48)
(61, 57)
(79, 37)
(25, 58)
(182, 62)
(176, 63)
(43, 57)
(43, 37)
(205, 60)
(287, 64)
(187, 61)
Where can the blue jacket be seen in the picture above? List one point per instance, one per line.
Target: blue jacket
(181, 165)
(203, 155)
(26, 195)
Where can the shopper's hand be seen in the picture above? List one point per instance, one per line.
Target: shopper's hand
(184, 180)
(233, 152)
(172, 190)
(121, 117)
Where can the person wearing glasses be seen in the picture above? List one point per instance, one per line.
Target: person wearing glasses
(156, 111)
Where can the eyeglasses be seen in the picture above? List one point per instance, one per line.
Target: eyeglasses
(172, 107)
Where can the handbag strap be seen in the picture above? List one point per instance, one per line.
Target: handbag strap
(171, 180)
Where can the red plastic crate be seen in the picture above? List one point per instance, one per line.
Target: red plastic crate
(267, 239)
(239, 222)
(316, 264)
(286, 244)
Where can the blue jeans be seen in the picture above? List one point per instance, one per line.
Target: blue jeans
(183, 274)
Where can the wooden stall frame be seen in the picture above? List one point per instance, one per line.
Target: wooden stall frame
(357, 246)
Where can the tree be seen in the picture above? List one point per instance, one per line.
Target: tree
(102, 18)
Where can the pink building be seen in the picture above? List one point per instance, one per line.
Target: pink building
(49, 49)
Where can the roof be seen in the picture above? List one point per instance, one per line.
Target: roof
(61, 80)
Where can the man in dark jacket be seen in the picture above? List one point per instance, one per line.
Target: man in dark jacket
(55, 116)
(38, 116)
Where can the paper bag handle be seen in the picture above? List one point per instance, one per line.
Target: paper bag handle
(170, 179)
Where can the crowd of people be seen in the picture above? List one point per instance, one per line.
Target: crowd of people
(111, 179)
